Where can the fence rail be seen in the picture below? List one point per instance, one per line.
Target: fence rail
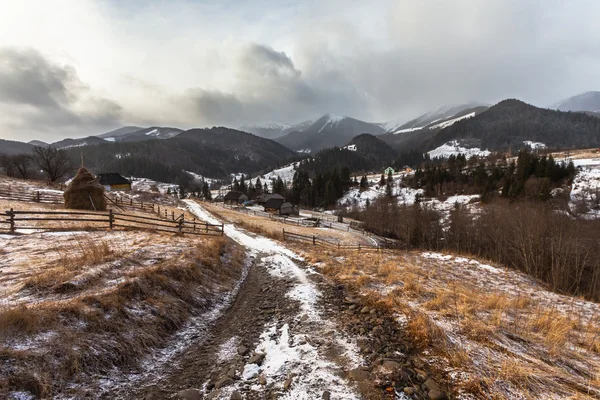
(36, 196)
(318, 241)
(13, 221)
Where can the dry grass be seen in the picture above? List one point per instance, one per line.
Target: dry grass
(274, 228)
(122, 302)
(467, 321)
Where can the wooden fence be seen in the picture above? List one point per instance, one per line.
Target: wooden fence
(12, 221)
(32, 196)
(317, 241)
(46, 197)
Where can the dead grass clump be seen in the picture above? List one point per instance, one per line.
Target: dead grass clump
(520, 375)
(442, 302)
(554, 327)
(412, 285)
(362, 281)
(23, 320)
(425, 332)
(477, 330)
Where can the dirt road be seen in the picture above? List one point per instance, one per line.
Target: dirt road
(289, 333)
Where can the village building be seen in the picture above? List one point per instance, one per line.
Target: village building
(274, 203)
(235, 198)
(262, 199)
(113, 182)
(288, 208)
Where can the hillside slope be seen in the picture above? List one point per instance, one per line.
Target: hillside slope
(511, 122)
(214, 152)
(14, 147)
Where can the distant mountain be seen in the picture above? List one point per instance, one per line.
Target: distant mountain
(328, 131)
(213, 153)
(13, 147)
(154, 132)
(38, 143)
(413, 138)
(511, 122)
(431, 118)
(589, 101)
(68, 143)
(137, 134)
(120, 132)
(274, 130)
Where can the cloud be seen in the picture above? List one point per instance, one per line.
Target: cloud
(43, 96)
(191, 64)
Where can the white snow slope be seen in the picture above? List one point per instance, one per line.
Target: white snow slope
(454, 148)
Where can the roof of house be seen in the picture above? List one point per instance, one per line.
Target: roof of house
(264, 197)
(233, 195)
(112, 178)
(274, 203)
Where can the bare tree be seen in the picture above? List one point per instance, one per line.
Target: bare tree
(7, 163)
(22, 164)
(54, 162)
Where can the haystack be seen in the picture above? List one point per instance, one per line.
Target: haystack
(85, 193)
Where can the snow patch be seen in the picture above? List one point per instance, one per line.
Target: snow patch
(454, 148)
(448, 123)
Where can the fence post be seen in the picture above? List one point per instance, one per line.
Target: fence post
(38, 196)
(206, 227)
(222, 229)
(180, 225)
(165, 213)
(142, 205)
(130, 201)
(284, 234)
(12, 220)
(158, 212)
(173, 215)
(194, 224)
(111, 218)
(359, 247)
(314, 240)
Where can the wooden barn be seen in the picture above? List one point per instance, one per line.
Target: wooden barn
(274, 203)
(235, 198)
(262, 199)
(113, 181)
(288, 208)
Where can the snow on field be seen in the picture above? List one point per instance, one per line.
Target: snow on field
(585, 190)
(146, 185)
(446, 124)
(288, 351)
(534, 145)
(351, 147)
(453, 148)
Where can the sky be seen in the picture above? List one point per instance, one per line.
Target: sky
(74, 68)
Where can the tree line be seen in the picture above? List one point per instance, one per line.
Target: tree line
(531, 176)
(529, 236)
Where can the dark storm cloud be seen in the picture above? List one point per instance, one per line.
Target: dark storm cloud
(269, 87)
(43, 96)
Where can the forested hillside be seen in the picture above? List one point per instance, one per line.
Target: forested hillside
(510, 122)
(214, 152)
